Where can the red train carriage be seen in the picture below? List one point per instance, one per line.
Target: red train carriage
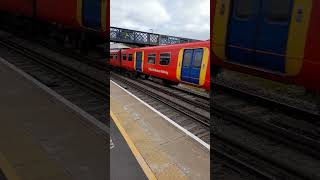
(89, 15)
(122, 59)
(273, 39)
(182, 63)
(18, 7)
(114, 59)
(59, 11)
(127, 60)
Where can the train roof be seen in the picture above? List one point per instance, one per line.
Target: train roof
(198, 43)
(178, 45)
(114, 50)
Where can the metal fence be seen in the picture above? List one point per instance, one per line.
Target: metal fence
(121, 35)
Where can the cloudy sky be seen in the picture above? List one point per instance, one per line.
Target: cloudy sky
(183, 18)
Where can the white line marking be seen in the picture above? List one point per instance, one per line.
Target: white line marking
(72, 106)
(166, 118)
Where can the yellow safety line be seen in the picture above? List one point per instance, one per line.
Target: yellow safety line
(133, 148)
(8, 170)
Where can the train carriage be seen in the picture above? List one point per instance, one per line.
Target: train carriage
(274, 39)
(90, 15)
(61, 12)
(82, 15)
(18, 7)
(181, 63)
(114, 59)
(127, 62)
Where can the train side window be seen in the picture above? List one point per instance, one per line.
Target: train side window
(278, 11)
(124, 57)
(244, 9)
(164, 59)
(151, 58)
(129, 57)
(198, 58)
(111, 56)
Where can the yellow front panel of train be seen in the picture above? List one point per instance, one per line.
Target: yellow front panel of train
(297, 36)
(220, 26)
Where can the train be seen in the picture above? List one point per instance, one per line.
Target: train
(84, 20)
(187, 63)
(273, 39)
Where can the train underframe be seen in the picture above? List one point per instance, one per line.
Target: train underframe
(136, 75)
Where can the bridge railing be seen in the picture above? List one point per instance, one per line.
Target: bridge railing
(122, 35)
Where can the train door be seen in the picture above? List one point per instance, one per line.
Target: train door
(186, 65)
(122, 58)
(139, 61)
(258, 33)
(242, 31)
(91, 14)
(191, 65)
(272, 34)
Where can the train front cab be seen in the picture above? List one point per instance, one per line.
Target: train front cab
(114, 59)
(268, 35)
(193, 66)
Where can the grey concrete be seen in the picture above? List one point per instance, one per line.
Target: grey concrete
(123, 164)
(60, 132)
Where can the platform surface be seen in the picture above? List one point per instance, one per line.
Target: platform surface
(42, 138)
(123, 164)
(168, 152)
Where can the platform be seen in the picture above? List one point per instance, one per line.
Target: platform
(165, 149)
(123, 164)
(43, 137)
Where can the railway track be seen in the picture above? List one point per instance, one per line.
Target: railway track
(200, 95)
(196, 100)
(299, 113)
(185, 112)
(201, 128)
(199, 102)
(245, 164)
(241, 113)
(84, 91)
(48, 43)
(90, 61)
(294, 127)
(290, 135)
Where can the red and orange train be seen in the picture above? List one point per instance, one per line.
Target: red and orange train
(273, 39)
(89, 16)
(181, 63)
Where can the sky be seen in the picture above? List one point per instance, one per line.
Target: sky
(182, 18)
